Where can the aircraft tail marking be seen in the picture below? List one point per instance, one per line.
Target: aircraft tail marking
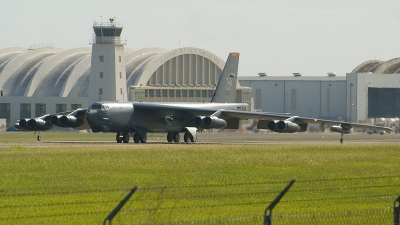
(225, 92)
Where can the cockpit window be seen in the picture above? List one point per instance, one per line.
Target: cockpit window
(95, 106)
(105, 107)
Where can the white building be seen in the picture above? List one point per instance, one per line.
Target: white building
(360, 96)
(43, 79)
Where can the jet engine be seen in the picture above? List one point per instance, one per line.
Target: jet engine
(36, 124)
(55, 121)
(209, 122)
(283, 126)
(22, 124)
(341, 130)
(70, 121)
(272, 125)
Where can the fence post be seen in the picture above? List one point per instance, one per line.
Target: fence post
(119, 207)
(396, 211)
(268, 210)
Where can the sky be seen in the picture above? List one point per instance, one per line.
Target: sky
(277, 37)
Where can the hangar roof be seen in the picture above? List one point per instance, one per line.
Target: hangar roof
(58, 72)
(380, 67)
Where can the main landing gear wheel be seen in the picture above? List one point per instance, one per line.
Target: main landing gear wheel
(138, 138)
(170, 137)
(176, 136)
(188, 138)
(143, 139)
(125, 137)
(118, 137)
(341, 139)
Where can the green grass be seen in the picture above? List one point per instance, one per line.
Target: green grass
(75, 184)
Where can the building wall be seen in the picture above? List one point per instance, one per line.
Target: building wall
(357, 99)
(308, 98)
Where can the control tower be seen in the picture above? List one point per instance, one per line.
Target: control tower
(107, 73)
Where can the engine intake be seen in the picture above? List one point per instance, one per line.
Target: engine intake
(272, 125)
(54, 120)
(283, 126)
(208, 122)
(70, 121)
(22, 124)
(37, 124)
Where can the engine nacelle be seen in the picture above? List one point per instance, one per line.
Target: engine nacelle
(54, 120)
(70, 121)
(341, 130)
(283, 126)
(208, 122)
(17, 126)
(22, 124)
(37, 124)
(198, 121)
(272, 125)
(287, 127)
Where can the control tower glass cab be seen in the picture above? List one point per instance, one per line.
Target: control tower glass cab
(108, 33)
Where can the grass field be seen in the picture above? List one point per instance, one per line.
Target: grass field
(355, 183)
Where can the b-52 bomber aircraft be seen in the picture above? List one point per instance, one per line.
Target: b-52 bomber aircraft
(140, 118)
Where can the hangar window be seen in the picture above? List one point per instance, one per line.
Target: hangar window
(151, 93)
(191, 93)
(101, 74)
(101, 91)
(171, 93)
(178, 93)
(204, 93)
(119, 58)
(158, 93)
(101, 58)
(146, 93)
(75, 106)
(5, 108)
(210, 93)
(164, 93)
(184, 93)
(197, 93)
(120, 74)
(120, 90)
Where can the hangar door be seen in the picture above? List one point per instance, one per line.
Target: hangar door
(383, 102)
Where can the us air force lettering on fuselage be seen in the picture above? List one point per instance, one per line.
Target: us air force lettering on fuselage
(139, 118)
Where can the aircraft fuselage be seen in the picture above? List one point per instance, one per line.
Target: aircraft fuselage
(129, 116)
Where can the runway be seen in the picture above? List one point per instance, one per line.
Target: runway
(65, 138)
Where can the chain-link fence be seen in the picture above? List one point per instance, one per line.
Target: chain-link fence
(368, 200)
(352, 201)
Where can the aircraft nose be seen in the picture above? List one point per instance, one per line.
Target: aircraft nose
(91, 117)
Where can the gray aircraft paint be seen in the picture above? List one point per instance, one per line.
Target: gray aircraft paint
(226, 87)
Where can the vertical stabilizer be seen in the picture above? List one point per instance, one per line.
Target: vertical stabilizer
(226, 87)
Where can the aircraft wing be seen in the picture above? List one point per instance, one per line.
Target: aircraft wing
(189, 110)
(47, 121)
(224, 114)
